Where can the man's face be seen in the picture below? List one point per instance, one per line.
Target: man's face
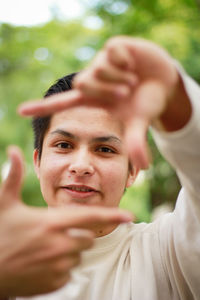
(84, 160)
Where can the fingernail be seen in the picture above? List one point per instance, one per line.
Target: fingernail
(127, 217)
(22, 109)
(79, 233)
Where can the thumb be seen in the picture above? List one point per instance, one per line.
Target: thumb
(11, 187)
(136, 142)
(148, 103)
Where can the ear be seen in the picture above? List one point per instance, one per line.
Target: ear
(36, 162)
(133, 172)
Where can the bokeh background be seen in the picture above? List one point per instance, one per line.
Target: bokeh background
(40, 41)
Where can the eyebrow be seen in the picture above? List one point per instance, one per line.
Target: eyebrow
(102, 139)
(63, 132)
(109, 138)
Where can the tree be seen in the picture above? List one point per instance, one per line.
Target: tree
(32, 58)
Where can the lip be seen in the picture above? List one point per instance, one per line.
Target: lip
(80, 194)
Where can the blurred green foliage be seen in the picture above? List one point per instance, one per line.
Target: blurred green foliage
(32, 58)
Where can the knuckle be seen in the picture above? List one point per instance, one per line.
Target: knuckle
(66, 247)
(99, 71)
(70, 262)
(94, 217)
(84, 244)
(60, 280)
(57, 247)
(65, 264)
(59, 268)
(77, 80)
(88, 244)
(47, 225)
(73, 260)
(69, 247)
(80, 80)
(111, 43)
(81, 85)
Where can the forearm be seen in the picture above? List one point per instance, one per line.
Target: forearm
(181, 147)
(179, 232)
(178, 110)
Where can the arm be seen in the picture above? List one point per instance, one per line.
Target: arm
(168, 100)
(138, 81)
(180, 231)
(39, 247)
(129, 73)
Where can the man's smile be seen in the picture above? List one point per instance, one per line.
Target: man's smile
(80, 191)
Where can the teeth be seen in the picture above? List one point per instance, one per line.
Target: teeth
(79, 189)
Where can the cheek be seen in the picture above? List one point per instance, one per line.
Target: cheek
(115, 175)
(50, 169)
(50, 174)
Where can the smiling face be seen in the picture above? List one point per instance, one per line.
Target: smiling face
(84, 160)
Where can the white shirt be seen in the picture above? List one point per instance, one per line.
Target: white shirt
(157, 261)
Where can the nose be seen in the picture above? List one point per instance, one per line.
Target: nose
(81, 164)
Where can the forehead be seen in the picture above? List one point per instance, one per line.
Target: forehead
(92, 120)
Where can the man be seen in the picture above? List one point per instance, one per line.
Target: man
(82, 160)
(39, 247)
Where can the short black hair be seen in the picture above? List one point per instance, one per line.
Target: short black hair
(41, 124)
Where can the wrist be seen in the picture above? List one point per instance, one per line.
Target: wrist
(178, 109)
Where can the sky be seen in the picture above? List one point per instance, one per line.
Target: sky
(35, 12)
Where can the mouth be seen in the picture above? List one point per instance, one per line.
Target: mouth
(80, 191)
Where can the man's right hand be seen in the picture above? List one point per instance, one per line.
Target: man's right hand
(38, 246)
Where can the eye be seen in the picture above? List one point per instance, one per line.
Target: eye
(105, 149)
(64, 145)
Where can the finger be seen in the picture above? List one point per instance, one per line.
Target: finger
(80, 233)
(116, 75)
(12, 185)
(136, 141)
(119, 54)
(149, 100)
(69, 262)
(87, 217)
(57, 282)
(50, 104)
(99, 92)
(81, 239)
(103, 69)
(146, 106)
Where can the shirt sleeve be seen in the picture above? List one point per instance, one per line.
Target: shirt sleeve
(179, 232)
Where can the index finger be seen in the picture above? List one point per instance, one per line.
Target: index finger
(87, 217)
(51, 104)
